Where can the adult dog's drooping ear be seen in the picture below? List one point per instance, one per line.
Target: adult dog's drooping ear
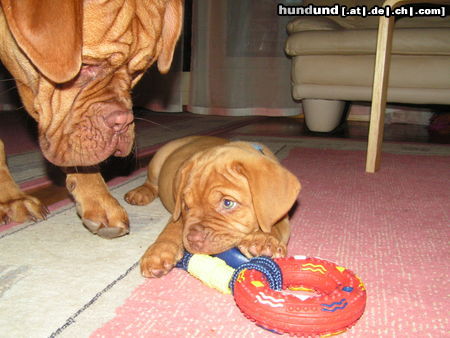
(274, 189)
(50, 34)
(170, 32)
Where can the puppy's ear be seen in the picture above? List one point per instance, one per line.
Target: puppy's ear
(274, 189)
(172, 23)
(50, 34)
(178, 186)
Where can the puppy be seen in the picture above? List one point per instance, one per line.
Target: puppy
(221, 195)
(75, 63)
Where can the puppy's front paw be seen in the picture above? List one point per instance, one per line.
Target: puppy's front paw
(262, 244)
(160, 258)
(141, 195)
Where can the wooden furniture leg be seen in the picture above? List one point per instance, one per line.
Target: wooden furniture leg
(379, 92)
(380, 82)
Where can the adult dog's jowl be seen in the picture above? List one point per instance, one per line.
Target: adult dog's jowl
(75, 63)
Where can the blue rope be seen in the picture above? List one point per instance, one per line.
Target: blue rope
(184, 262)
(266, 266)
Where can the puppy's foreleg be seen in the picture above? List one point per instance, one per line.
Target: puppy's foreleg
(165, 252)
(148, 191)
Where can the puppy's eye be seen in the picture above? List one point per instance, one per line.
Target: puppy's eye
(228, 204)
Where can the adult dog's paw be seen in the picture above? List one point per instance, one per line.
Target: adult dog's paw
(160, 258)
(21, 208)
(262, 244)
(103, 216)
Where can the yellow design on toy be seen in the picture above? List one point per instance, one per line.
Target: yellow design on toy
(300, 288)
(361, 284)
(341, 268)
(314, 268)
(241, 276)
(258, 284)
(333, 334)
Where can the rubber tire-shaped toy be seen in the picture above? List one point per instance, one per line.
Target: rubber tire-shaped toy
(339, 299)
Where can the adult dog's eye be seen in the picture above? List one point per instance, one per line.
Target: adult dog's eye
(228, 204)
(136, 74)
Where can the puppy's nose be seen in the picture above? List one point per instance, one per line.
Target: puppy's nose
(119, 120)
(196, 237)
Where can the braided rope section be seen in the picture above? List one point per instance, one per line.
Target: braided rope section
(266, 266)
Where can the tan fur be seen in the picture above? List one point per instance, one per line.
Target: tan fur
(75, 63)
(196, 177)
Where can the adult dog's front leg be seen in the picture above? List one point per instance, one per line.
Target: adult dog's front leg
(100, 212)
(15, 205)
(165, 252)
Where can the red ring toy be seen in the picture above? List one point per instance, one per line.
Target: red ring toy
(339, 301)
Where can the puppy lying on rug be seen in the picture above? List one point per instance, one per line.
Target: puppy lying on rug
(221, 194)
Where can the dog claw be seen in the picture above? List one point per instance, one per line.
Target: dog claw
(21, 209)
(91, 225)
(112, 232)
(44, 212)
(105, 231)
(41, 215)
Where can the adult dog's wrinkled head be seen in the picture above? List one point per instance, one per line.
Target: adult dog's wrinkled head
(75, 63)
(228, 192)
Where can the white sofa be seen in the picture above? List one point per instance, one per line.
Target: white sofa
(333, 61)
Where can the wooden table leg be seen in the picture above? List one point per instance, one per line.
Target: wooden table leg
(380, 84)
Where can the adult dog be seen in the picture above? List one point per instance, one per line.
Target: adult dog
(75, 63)
(221, 194)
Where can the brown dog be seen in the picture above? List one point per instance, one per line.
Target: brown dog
(75, 63)
(221, 194)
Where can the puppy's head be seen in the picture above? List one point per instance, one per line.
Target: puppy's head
(75, 63)
(228, 192)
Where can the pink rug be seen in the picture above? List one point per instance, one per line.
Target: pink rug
(391, 228)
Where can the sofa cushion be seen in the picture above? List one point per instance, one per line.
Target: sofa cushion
(406, 41)
(308, 23)
(350, 77)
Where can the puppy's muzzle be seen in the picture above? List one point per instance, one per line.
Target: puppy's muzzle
(196, 238)
(202, 239)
